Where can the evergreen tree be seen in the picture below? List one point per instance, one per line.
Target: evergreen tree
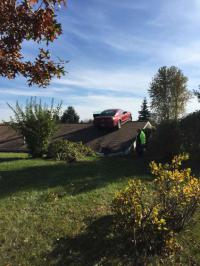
(70, 116)
(144, 113)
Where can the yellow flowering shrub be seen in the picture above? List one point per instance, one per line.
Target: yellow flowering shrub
(178, 191)
(151, 216)
(139, 217)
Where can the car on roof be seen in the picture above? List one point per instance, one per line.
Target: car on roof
(112, 118)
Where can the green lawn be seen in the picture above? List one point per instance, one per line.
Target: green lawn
(52, 213)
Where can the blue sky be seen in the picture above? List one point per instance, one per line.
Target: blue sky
(114, 49)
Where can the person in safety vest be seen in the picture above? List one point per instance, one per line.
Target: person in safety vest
(140, 142)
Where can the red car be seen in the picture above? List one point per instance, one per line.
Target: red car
(112, 118)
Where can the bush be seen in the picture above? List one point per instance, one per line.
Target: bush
(83, 149)
(177, 191)
(190, 128)
(166, 140)
(64, 150)
(172, 137)
(140, 218)
(151, 217)
(37, 123)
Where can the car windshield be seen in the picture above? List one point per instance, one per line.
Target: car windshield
(109, 113)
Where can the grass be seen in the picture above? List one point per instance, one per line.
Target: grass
(52, 213)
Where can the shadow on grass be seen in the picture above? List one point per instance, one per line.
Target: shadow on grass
(74, 178)
(97, 246)
(12, 159)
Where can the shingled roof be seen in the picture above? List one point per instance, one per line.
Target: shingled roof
(110, 141)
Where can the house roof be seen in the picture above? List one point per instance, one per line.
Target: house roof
(98, 140)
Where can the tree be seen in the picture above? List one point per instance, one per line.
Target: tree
(168, 93)
(37, 123)
(29, 20)
(197, 93)
(144, 114)
(70, 116)
(190, 128)
(86, 121)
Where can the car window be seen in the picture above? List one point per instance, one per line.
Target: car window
(108, 113)
(120, 112)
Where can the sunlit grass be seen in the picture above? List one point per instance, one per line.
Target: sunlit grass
(53, 213)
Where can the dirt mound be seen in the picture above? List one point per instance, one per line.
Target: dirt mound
(104, 140)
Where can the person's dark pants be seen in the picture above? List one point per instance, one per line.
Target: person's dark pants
(140, 150)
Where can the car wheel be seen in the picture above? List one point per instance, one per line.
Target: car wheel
(119, 125)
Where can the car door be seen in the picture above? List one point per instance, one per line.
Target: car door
(124, 116)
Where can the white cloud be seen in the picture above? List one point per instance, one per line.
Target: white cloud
(132, 81)
(181, 52)
(176, 18)
(32, 92)
(178, 13)
(187, 54)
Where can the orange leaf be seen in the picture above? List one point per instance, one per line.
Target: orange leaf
(32, 2)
